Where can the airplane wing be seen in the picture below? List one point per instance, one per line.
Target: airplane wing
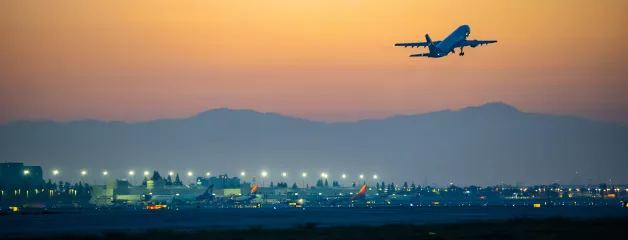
(416, 44)
(474, 43)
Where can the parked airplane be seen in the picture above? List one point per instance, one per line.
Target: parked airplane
(244, 198)
(160, 199)
(402, 198)
(357, 198)
(438, 49)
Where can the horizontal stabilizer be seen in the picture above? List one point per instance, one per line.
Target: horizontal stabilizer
(420, 55)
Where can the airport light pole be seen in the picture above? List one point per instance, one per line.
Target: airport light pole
(264, 174)
(361, 177)
(344, 176)
(170, 173)
(83, 173)
(375, 178)
(304, 174)
(104, 176)
(190, 177)
(132, 175)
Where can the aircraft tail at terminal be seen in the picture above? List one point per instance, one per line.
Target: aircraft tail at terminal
(361, 194)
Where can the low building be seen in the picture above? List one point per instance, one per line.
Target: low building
(222, 181)
(16, 175)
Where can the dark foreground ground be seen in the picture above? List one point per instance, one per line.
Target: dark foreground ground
(554, 228)
(325, 223)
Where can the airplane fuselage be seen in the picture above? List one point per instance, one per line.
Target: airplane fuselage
(448, 44)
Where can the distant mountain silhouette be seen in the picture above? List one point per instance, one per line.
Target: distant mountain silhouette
(488, 144)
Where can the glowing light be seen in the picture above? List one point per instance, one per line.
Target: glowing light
(305, 175)
(170, 173)
(324, 175)
(284, 174)
(208, 174)
(264, 174)
(55, 172)
(26, 172)
(361, 176)
(190, 173)
(83, 172)
(131, 173)
(146, 173)
(243, 174)
(105, 173)
(344, 176)
(375, 176)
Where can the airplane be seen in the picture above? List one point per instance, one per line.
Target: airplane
(165, 199)
(357, 198)
(245, 198)
(405, 198)
(438, 49)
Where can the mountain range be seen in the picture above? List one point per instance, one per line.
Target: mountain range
(482, 145)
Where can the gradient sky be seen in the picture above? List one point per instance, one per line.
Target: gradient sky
(319, 59)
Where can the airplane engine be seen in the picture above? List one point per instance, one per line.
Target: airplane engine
(473, 46)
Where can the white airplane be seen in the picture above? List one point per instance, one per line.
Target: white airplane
(438, 49)
(245, 198)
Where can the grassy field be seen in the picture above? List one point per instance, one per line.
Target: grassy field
(514, 229)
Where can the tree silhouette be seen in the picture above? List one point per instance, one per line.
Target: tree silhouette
(405, 186)
(145, 182)
(353, 185)
(156, 176)
(168, 180)
(326, 183)
(271, 184)
(319, 183)
(412, 187)
(294, 186)
(177, 181)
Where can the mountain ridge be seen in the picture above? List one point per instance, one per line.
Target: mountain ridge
(480, 145)
(489, 106)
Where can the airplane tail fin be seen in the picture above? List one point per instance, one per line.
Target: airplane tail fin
(430, 44)
(254, 189)
(361, 193)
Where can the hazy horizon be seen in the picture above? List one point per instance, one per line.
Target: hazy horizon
(320, 60)
(311, 119)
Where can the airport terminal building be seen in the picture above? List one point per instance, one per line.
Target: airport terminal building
(15, 175)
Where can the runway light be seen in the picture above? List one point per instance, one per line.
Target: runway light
(55, 172)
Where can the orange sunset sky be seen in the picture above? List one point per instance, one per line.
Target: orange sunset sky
(331, 60)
